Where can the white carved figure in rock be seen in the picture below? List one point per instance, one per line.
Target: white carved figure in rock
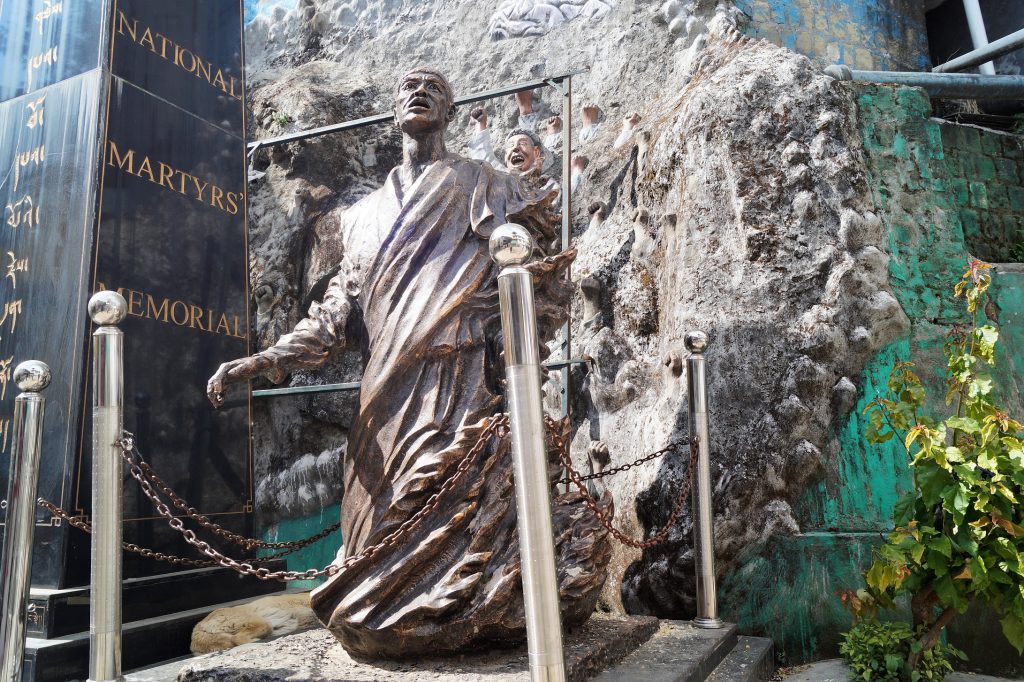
(480, 145)
(423, 293)
(553, 139)
(591, 122)
(519, 18)
(626, 134)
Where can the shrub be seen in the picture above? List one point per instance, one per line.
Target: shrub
(879, 651)
(959, 533)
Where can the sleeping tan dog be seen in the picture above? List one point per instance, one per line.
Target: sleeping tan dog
(278, 614)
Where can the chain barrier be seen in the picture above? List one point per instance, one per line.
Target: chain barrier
(215, 528)
(671, 447)
(561, 444)
(497, 426)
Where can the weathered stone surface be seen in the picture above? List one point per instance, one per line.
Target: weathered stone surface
(678, 652)
(316, 656)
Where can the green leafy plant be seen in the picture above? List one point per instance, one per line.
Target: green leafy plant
(879, 651)
(1017, 253)
(282, 120)
(959, 533)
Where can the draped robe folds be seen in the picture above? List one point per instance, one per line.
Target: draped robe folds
(432, 377)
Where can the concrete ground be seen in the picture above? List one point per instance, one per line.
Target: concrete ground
(834, 670)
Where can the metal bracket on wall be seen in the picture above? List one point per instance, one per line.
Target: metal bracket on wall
(553, 81)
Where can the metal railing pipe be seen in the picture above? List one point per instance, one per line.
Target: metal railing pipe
(979, 37)
(390, 117)
(996, 48)
(107, 309)
(31, 377)
(511, 247)
(703, 516)
(943, 85)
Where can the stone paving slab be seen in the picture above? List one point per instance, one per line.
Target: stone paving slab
(678, 652)
(316, 656)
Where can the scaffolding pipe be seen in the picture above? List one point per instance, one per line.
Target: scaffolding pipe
(997, 48)
(942, 85)
(31, 377)
(976, 23)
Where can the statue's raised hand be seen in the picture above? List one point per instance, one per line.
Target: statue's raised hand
(232, 372)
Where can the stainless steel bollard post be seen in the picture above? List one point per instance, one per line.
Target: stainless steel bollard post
(107, 309)
(31, 377)
(703, 518)
(511, 247)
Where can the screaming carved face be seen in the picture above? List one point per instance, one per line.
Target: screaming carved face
(522, 154)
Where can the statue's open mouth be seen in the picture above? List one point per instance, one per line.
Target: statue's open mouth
(516, 159)
(419, 104)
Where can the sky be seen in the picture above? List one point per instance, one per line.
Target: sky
(254, 8)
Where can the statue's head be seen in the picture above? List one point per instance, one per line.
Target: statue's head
(424, 101)
(523, 151)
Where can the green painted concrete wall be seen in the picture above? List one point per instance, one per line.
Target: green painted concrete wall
(986, 171)
(317, 555)
(787, 588)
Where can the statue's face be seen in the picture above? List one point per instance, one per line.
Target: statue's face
(522, 154)
(423, 103)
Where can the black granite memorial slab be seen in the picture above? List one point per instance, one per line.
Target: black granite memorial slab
(123, 167)
(171, 240)
(168, 49)
(48, 149)
(46, 41)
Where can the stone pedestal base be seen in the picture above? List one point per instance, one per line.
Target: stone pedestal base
(316, 655)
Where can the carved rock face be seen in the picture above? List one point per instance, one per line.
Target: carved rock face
(759, 229)
(520, 18)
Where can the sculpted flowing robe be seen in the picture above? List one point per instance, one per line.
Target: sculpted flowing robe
(428, 294)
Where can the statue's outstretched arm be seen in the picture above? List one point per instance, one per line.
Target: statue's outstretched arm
(309, 344)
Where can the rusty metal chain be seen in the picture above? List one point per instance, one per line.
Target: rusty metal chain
(562, 446)
(671, 447)
(215, 528)
(85, 526)
(496, 426)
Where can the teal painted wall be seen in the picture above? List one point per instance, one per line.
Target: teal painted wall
(987, 181)
(317, 555)
(787, 588)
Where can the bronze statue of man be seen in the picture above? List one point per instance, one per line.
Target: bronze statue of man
(425, 288)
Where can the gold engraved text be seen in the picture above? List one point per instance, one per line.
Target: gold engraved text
(180, 313)
(50, 9)
(36, 119)
(22, 212)
(181, 57)
(11, 311)
(14, 266)
(5, 375)
(5, 431)
(34, 157)
(36, 62)
(173, 179)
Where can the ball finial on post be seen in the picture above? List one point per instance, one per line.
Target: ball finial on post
(696, 341)
(107, 308)
(32, 376)
(510, 245)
